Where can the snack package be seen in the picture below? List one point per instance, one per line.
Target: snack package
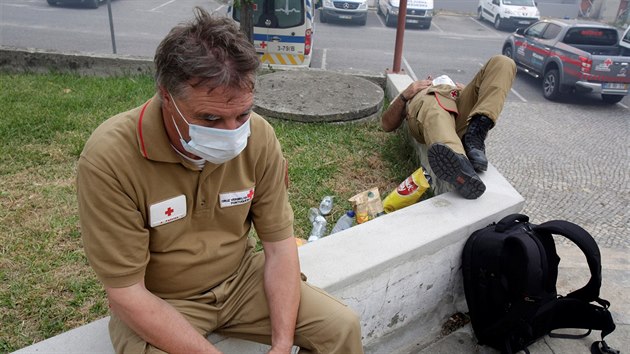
(408, 192)
(367, 205)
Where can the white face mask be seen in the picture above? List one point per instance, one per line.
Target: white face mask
(211, 144)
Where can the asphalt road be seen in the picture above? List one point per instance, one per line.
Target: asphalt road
(569, 159)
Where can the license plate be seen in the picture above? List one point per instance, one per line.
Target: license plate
(345, 17)
(412, 21)
(523, 22)
(615, 86)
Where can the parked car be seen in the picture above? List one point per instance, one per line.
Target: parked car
(92, 4)
(419, 12)
(508, 13)
(346, 10)
(572, 56)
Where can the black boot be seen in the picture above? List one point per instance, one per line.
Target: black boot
(474, 141)
(456, 170)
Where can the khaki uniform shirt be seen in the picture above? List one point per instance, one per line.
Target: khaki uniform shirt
(147, 214)
(441, 99)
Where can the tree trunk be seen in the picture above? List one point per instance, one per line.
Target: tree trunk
(247, 19)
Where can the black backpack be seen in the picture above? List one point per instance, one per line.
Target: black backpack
(510, 270)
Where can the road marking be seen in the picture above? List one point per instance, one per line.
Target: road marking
(512, 90)
(324, 59)
(164, 4)
(379, 20)
(410, 70)
(484, 26)
(517, 95)
(438, 27)
(218, 8)
(623, 105)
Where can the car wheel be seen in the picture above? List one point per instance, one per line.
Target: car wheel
(93, 4)
(390, 21)
(612, 99)
(497, 23)
(551, 85)
(507, 51)
(479, 14)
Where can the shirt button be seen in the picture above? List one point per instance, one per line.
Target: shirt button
(203, 203)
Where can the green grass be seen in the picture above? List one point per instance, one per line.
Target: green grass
(46, 284)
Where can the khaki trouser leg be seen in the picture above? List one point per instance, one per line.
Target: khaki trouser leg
(487, 91)
(438, 125)
(324, 324)
(238, 308)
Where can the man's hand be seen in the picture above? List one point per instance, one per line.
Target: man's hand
(416, 87)
(282, 287)
(155, 321)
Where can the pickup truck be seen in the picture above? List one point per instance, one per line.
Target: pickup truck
(572, 56)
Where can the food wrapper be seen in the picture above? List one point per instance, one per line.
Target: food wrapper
(408, 192)
(367, 205)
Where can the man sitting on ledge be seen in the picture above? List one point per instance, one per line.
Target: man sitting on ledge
(453, 121)
(168, 194)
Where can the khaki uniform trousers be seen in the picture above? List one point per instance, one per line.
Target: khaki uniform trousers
(441, 114)
(238, 308)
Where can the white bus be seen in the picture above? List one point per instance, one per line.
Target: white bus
(283, 31)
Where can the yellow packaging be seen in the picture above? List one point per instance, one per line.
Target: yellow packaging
(408, 192)
(367, 205)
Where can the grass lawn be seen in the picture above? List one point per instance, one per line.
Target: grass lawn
(46, 284)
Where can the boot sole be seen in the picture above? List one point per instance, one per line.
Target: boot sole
(447, 166)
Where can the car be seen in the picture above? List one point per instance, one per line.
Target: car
(572, 56)
(92, 4)
(508, 13)
(346, 10)
(419, 12)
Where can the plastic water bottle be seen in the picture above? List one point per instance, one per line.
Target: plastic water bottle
(319, 229)
(345, 222)
(312, 214)
(326, 205)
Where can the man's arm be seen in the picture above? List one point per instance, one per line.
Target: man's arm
(395, 113)
(155, 321)
(282, 287)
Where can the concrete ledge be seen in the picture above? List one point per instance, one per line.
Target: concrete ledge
(20, 60)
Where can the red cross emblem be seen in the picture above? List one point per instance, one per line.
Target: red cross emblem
(454, 94)
(250, 195)
(263, 44)
(608, 62)
(169, 211)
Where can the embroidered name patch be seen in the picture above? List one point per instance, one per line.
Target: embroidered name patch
(167, 211)
(236, 198)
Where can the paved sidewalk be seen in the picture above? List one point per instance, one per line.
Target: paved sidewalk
(573, 274)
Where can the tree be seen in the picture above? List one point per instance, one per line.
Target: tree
(246, 8)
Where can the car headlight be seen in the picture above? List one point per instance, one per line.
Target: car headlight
(394, 11)
(537, 13)
(429, 12)
(363, 6)
(508, 11)
(328, 3)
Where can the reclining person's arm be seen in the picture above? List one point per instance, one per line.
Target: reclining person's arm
(396, 112)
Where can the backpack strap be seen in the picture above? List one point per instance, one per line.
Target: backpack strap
(508, 221)
(586, 243)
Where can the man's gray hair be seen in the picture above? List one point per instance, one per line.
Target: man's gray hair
(209, 52)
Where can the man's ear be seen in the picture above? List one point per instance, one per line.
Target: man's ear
(164, 96)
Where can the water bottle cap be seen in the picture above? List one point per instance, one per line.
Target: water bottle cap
(350, 213)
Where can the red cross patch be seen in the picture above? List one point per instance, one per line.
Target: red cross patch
(454, 94)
